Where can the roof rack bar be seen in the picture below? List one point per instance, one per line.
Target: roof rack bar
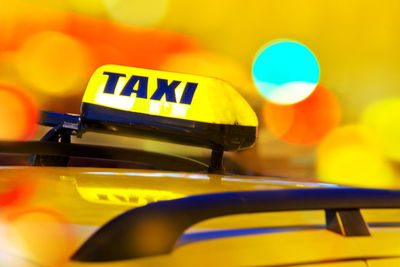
(65, 125)
(163, 161)
(216, 161)
(346, 222)
(124, 236)
(52, 119)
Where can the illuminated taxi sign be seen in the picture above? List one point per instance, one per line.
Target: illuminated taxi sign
(163, 88)
(182, 108)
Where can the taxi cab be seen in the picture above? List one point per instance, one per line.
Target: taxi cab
(180, 212)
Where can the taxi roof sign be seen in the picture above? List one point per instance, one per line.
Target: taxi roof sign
(170, 95)
(180, 108)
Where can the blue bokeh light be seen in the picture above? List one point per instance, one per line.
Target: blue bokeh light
(285, 72)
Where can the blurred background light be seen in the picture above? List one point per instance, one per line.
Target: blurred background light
(42, 40)
(383, 118)
(18, 114)
(137, 12)
(43, 235)
(214, 65)
(114, 43)
(31, 19)
(16, 193)
(352, 155)
(7, 24)
(54, 63)
(88, 7)
(306, 122)
(285, 72)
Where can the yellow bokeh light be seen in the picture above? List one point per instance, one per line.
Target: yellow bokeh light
(136, 12)
(88, 7)
(383, 118)
(351, 155)
(214, 65)
(54, 63)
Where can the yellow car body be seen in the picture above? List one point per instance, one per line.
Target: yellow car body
(68, 204)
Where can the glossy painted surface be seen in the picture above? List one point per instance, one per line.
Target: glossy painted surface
(53, 210)
(282, 248)
(384, 263)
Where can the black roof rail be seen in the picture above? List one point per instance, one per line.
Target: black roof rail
(57, 154)
(66, 125)
(162, 223)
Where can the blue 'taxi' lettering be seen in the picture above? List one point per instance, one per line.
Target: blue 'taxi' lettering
(141, 92)
(188, 92)
(163, 88)
(112, 82)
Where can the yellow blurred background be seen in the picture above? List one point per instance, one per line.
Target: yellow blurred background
(346, 132)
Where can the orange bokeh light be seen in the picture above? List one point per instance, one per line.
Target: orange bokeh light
(16, 194)
(114, 43)
(306, 122)
(109, 42)
(18, 114)
(53, 52)
(32, 19)
(7, 24)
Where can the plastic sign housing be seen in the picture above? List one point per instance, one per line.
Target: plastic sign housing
(180, 108)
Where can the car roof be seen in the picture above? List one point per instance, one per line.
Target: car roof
(296, 246)
(90, 197)
(109, 192)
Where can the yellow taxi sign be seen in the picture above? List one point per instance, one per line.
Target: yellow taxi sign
(182, 108)
(167, 94)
